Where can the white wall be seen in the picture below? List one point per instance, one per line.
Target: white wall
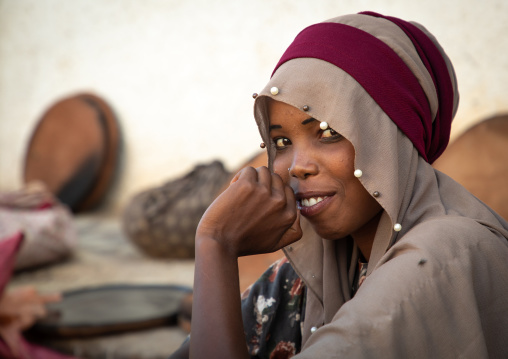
(180, 74)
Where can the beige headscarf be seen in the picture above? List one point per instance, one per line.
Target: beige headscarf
(438, 287)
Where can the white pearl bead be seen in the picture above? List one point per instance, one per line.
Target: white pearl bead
(358, 173)
(323, 125)
(397, 227)
(313, 329)
(274, 90)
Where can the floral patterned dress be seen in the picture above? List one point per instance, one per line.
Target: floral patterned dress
(273, 311)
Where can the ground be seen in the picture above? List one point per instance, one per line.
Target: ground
(105, 256)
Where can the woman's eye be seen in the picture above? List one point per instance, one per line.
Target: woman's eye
(282, 142)
(329, 133)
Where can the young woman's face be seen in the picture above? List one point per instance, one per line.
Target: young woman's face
(321, 173)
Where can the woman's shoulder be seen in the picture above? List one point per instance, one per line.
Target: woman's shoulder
(422, 287)
(442, 250)
(415, 299)
(451, 234)
(445, 249)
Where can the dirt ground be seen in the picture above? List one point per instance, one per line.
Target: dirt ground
(104, 256)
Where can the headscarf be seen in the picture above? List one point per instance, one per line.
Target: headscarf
(388, 78)
(388, 87)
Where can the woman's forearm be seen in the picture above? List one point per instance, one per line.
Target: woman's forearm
(226, 231)
(217, 326)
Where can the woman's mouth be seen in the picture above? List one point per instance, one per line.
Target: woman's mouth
(310, 206)
(309, 202)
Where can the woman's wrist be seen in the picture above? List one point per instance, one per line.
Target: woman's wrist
(208, 245)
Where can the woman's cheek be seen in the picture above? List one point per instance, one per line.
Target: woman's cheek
(282, 170)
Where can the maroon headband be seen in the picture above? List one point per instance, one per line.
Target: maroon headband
(385, 76)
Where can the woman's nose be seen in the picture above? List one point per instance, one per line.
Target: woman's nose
(302, 167)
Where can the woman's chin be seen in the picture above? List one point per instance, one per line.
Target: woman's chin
(328, 233)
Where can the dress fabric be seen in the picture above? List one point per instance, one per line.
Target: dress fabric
(273, 311)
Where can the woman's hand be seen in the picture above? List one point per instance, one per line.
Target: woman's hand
(19, 309)
(256, 214)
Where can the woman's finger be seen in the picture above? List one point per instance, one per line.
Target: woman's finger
(51, 297)
(290, 196)
(246, 172)
(235, 178)
(293, 234)
(278, 191)
(277, 184)
(265, 177)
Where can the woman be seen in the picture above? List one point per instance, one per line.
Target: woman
(396, 259)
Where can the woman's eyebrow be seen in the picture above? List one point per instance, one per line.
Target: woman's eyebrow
(304, 122)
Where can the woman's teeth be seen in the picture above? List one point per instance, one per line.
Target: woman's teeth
(308, 202)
